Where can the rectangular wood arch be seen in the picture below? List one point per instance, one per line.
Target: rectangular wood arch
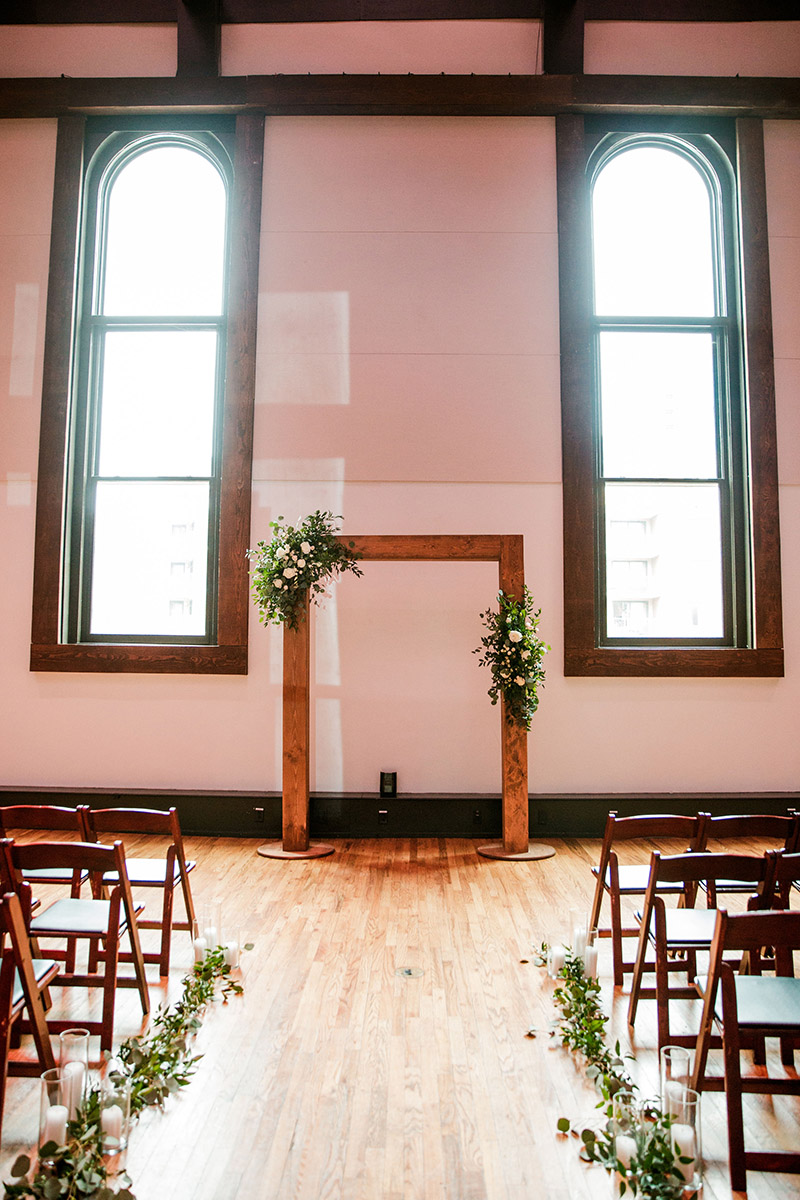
(507, 551)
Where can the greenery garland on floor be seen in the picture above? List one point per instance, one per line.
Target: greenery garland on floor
(158, 1064)
(654, 1171)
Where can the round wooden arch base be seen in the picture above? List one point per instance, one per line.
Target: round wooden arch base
(276, 850)
(535, 850)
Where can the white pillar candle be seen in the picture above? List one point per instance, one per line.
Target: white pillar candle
(232, 953)
(674, 1097)
(55, 1124)
(579, 935)
(211, 936)
(111, 1122)
(72, 1079)
(624, 1148)
(590, 962)
(684, 1146)
(558, 958)
(200, 947)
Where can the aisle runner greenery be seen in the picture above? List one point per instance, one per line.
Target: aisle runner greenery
(158, 1064)
(654, 1172)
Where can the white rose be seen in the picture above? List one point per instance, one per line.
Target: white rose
(301, 562)
(289, 572)
(515, 636)
(525, 654)
(528, 623)
(519, 681)
(281, 552)
(305, 548)
(294, 556)
(278, 583)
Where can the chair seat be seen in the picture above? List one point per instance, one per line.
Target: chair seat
(42, 967)
(86, 917)
(149, 872)
(763, 1002)
(687, 928)
(741, 886)
(52, 875)
(633, 881)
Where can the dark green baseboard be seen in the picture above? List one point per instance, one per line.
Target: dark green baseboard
(364, 814)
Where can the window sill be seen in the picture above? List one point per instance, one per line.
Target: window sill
(141, 659)
(651, 661)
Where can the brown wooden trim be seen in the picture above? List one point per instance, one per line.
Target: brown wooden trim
(562, 37)
(581, 654)
(97, 12)
(156, 659)
(198, 38)
(760, 384)
(229, 656)
(429, 547)
(412, 95)
(235, 500)
(577, 445)
(701, 661)
(57, 378)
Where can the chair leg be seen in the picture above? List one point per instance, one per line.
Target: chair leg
(733, 1085)
(166, 929)
(616, 939)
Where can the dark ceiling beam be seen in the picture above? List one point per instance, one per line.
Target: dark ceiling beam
(562, 37)
(100, 12)
(411, 95)
(198, 38)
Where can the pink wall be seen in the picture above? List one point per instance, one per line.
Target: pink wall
(407, 378)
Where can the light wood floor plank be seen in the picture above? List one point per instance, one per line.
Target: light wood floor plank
(335, 1078)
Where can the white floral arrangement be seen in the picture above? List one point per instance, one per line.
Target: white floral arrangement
(514, 652)
(298, 560)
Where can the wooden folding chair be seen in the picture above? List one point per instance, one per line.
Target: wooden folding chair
(750, 1008)
(102, 922)
(677, 934)
(782, 831)
(618, 880)
(23, 980)
(164, 873)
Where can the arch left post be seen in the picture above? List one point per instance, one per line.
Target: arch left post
(296, 745)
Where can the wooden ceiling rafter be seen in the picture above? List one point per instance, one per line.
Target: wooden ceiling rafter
(407, 95)
(99, 12)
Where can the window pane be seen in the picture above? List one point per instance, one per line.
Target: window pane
(165, 241)
(657, 400)
(141, 531)
(663, 561)
(157, 398)
(653, 249)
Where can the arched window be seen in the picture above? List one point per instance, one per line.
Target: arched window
(670, 471)
(143, 524)
(672, 562)
(145, 471)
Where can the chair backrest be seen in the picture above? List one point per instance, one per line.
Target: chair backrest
(694, 868)
(131, 820)
(751, 931)
(656, 825)
(784, 830)
(92, 857)
(41, 816)
(784, 871)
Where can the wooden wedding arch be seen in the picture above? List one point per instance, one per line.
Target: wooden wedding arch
(504, 549)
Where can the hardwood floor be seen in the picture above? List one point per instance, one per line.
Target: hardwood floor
(338, 1077)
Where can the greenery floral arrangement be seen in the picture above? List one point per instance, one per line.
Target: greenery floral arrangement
(654, 1171)
(158, 1064)
(514, 652)
(298, 560)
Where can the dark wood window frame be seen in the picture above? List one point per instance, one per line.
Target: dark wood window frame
(582, 654)
(228, 656)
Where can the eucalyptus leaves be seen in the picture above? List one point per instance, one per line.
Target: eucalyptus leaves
(158, 1064)
(298, 560)
(514, 652)
(649, 1167)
